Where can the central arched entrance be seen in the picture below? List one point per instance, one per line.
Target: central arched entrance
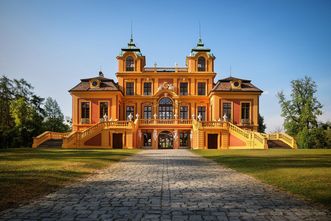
(165, 108)
(166, 140)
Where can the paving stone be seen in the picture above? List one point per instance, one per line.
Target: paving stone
(168, 185)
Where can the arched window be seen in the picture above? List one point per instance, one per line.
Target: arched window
(165, 108)
(201, 64)
(129, 64)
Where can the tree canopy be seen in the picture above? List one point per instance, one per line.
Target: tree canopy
(23, 114)
(300, 113)
(262, 125)
(53, 116)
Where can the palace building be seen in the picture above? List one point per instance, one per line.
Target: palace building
(165, 107)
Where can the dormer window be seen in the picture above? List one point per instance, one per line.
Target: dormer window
(201, 64)
(236, 84)
(94, 83)
(129, 64)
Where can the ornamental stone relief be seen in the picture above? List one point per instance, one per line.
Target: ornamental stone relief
(166, 86)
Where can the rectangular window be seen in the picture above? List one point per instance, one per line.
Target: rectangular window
(85, 112)
(129, 88)
(183, 87)
(201, 88)
(147, 112)
(147, 88)
(129, 110)
(227, 110)
(202, 112)
(245, 107)
(103, 110)
(183, 113)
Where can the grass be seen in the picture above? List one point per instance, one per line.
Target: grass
(27, 173)
(306, 173)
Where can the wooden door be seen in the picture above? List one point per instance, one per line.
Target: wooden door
(117, 141)
(212, 141)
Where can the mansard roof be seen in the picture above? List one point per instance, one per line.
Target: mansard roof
(106, 84)
(224, 85)
(229, 79)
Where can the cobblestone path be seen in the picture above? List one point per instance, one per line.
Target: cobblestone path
(167, 185)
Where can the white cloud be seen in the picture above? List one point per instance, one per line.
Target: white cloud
(273, 123)
(326, 116)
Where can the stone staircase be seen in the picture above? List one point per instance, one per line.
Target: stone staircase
(263, 141)
(278, 144)
(49, 139)
(280, 140)
(52, 143)
(78, 138)
(252, 139)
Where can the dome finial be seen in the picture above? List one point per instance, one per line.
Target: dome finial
(200, 43)
(131, 39)
(199, 31)
(131, 45)
(131, 42)
(100, 72)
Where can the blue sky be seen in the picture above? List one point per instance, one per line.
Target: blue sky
(53, 44)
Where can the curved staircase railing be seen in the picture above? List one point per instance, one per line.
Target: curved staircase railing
(77, 138)
(251, 138)
(239, 131)
(254, 139)
(287, 139)
(47, 135)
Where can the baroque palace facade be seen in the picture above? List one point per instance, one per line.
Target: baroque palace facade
(165, 107)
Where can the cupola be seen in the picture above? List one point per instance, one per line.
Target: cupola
(130, 58)
(200, 59)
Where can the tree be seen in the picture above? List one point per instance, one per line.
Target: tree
(54, 119)
(6, 121)
(21, 113)
(262, 125)
(28, 120)
(301, 111)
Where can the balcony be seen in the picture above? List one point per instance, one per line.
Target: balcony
(213, 123)
(165, 121)
(165, 69)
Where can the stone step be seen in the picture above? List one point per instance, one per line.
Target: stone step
(278, 144)
(52, 143)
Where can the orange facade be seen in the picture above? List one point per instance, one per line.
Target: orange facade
(165, 107)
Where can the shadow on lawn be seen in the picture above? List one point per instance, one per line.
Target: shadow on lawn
(29, 173)
(63, 154)
(275, 162)
(307, 174)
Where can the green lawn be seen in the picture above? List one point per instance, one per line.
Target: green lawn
(306, 173)
(27, 173)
